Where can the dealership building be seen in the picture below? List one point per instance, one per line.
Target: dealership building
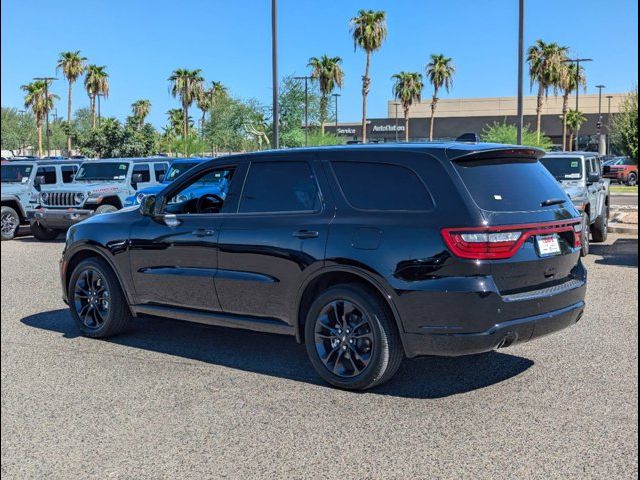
(456, 116)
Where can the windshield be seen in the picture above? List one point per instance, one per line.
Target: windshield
(16, 173)
(177, 169)
(564, 168)
(102, 171)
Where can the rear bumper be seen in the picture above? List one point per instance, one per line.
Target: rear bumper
(59, 219)
(500, 335)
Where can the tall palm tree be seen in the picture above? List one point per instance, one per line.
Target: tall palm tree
(545, 67)
(440, 71)
(407, 89)
(186, 84)
(204, 103)
(176, 120)
(96, 82)
(39, 103)
(72, 65)
(369, 30)
(569, 82)
(328, 73)
(140, 110)
(574, 120)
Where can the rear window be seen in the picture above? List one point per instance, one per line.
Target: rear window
(564, 168)
(381, 186)
(509, 186)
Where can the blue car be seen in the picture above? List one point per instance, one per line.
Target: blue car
(177, 168)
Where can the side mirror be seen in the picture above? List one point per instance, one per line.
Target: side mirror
(136, 178)
(38, 181)
(606, 169)
(593, 177)
(148, 206)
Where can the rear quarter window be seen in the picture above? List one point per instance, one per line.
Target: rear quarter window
(382, 186)
(509, 185)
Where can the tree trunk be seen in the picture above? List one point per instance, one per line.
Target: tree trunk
(565, 109)
(406, 125)
(69, 118)
(539, 111)
(324, 106)
(185, 120)
(39, 128)
(571, 141)
(92, 107)
(365, 91)
(434, 102)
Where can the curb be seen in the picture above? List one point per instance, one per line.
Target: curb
(621, 228)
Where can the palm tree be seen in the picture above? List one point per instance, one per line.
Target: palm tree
(407, 89)
(176, 120)
(369, 30)
(545, 67)
(72, 65)
(204, 103)
(440, 71)
(140, 110)
(574, 120)
(328, 73)
(186, 84)
(39, 103)
(96, 82)
(569, 82)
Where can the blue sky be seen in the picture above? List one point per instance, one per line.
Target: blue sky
(142, 41)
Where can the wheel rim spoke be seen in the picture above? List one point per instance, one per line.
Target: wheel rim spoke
(91, 298)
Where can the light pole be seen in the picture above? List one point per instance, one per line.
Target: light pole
(609, 98)
(396, 104)
(46, 81)
(99, 116)
(306, 107)
(577, 61)
(601, 147)
(520, 71)
(274, 73)
(335, 96)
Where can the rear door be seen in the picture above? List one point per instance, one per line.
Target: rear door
(144, 170)
(277, 236)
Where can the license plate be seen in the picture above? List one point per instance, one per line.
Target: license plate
(548, 245)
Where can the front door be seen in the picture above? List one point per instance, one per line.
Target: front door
(174, 255)
(278, 234)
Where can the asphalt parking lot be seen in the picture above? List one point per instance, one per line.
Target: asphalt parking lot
(173, 400)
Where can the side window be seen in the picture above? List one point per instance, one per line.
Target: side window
(279, 187)
(68, 171)
(381, 186)
(49, 174)
(588, 165)
(144, 171)
(160, 169)
(205, 194)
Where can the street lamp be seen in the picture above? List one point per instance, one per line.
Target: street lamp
(306, 107)
(335, 96)
(396, 104)
(274, 73)
(609, 98)
(46, 81)
(600, 87)
(520, 71)
(577, 61)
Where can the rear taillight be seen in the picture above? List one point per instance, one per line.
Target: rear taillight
(502, 242)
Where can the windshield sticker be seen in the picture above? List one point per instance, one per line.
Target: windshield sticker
(574, 164)
(24, 179)
(572, 175)
(123, 167)
(119, 177)
(497, 197)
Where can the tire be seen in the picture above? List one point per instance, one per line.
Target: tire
(585, 234)
(600, 229)
(10, 223)
(106, 209)
(42, 233)
(94, 317)
(632, 179)
(365, 356)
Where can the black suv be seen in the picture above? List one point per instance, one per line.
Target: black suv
(367, 254)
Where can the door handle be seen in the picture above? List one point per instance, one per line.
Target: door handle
(203, 232)
(306, 234)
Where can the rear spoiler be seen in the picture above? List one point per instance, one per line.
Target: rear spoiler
(516, 153)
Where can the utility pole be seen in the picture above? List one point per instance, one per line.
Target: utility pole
(601, 144)
(46, 81)
(99, 116)
(335, 96)
(520, 72)
(274, 72)
(609, 98)
(396, 104)
(306, 107)
(577, 61)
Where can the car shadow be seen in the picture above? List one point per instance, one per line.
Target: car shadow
(281, 356)
(623, 252)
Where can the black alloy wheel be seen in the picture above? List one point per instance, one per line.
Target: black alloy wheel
(91, 298)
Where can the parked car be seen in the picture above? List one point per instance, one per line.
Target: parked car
(21, 183)
(100, 186)
(177, 167)
(366, 253)
(580, 174)
(622, 170)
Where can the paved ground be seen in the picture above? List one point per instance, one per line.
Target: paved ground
(624, 200)
(171, 400)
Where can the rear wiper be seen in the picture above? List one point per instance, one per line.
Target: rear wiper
(552, 201)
